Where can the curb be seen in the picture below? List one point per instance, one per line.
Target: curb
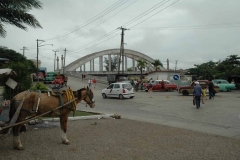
(102, 116)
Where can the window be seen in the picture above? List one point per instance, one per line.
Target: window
(111, 86)
(116, 86)
(125, 86)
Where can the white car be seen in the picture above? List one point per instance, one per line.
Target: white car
(119, 90)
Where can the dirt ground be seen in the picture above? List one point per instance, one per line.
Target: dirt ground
(119, 139)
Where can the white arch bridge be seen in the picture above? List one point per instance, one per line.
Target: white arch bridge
(133, 55)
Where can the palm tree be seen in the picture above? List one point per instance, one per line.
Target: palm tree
(141, 65)
(14, 12)
(156, 64)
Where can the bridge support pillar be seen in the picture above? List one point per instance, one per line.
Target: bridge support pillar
(109, 63)
(133, 63)
(93, 65)
(100, 63)
(84, 68)
(81, 68)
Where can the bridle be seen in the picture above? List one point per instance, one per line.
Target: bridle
(89, 95)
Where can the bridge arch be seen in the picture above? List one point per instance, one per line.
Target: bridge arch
(134, 55)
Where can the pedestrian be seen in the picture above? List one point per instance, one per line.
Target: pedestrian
(233, 82)
(162, 86)
(211, 89)
(89, 82)
(94, 82)
(132, 83)
(150, 80)
(197, 92)
(204, 90)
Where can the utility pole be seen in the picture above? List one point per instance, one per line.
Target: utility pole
(55, 59)
(65, 50)
(176, 65)
(37, 53)
(24, 48)
(121, 50)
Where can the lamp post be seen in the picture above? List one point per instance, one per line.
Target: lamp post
(38, 45)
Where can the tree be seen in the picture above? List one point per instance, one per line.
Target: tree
(14, 12)
(156, 64)
(130, 69)
(141, 64)
(228, 67)
(23, 69)
(113, 63)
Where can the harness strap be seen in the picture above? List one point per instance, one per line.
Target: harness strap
(16, 114)
(39, 97)
(61, 101)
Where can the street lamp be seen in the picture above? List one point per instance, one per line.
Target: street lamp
(38, 40)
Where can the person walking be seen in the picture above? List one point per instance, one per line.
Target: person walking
(132, 83)
(211, 89)
(90, 82)
(94, 82)
(197, 92)
(162, 86)
(204, 96)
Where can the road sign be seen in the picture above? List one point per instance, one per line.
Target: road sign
(176, 77)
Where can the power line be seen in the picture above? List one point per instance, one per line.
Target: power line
(98, 24)
(114, 31)
(207, 26)
(100, 15)
(155, 13)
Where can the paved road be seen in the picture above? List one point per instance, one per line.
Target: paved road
(220, 116)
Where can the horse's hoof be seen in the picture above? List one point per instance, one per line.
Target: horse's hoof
(19, 148)
(67, 143)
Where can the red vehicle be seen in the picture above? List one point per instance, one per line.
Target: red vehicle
(186, 90)
(156, 86)
(60, 79)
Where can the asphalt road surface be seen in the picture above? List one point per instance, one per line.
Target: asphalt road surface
(220, 116)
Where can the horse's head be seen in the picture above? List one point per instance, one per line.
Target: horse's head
(86, 94)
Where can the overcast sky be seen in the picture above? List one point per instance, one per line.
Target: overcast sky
(187, 31)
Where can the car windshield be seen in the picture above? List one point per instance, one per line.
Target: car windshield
(127, 86)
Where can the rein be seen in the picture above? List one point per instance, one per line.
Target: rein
(90, 97)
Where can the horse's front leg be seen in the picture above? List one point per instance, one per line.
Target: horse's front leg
(63, 123)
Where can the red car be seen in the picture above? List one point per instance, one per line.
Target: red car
(60, 79)
(156, 86)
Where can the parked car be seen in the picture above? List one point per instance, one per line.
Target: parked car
(156, 86)
(224, 85)
(186, 90)
(119, 90)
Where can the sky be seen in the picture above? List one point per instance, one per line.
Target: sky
(186, 32)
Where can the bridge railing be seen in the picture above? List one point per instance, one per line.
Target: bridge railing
(104, 72)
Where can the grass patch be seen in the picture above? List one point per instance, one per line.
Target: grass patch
(77, 113)
(82, 113)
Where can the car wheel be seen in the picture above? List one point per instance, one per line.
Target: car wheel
(146, 90)
(131, 97)
(229, 90)
(121, 96)
(104, 95)
(170, 90)
(185, 93)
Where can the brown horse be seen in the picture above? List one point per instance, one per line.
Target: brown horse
(32, 107)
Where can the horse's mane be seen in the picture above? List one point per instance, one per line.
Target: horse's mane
(79, 92)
